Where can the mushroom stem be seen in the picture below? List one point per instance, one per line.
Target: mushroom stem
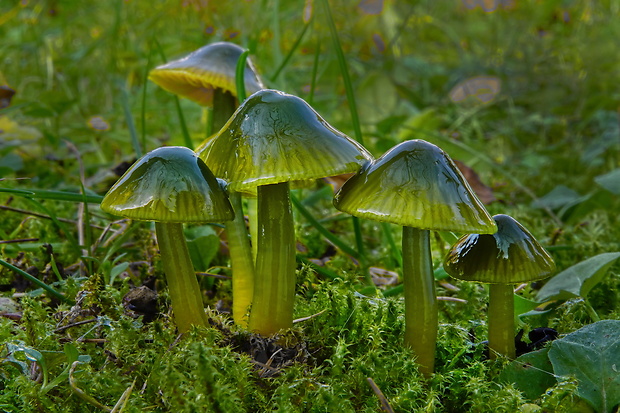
(420, 297)
(501, 321)
(274, 287)
(241, 261)
(224, 105)
(185, 296)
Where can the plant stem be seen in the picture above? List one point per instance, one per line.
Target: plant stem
(420, 297)
(274, 288)
(501, 321)
(241, 261)
(183, 287)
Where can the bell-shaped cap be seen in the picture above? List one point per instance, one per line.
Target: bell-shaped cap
(196, 75)
(415, 184)
(274, 137)
(169, 184)
(511, 255)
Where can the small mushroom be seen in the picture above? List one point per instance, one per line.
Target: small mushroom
(415, 184)
(272, 139)
(170, 186)
(510, 256)
(200, 74)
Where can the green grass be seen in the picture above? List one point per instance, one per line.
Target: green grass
(541, 144)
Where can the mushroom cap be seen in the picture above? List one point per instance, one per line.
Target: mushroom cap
(169, 184)
(511, 255)
(196, 75)
(274, 137)
(415, 184)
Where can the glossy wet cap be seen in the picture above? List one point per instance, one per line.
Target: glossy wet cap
(196, 75)
(169, 184)
(415, 184)
(512, 255)
(274, 137)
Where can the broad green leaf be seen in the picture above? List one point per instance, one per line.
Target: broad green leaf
(531, 373)
(592, 355)
(578, 280)
(560, 196)
(610, 181)
(523, 306)
(203, 244)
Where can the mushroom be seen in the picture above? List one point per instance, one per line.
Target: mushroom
(272, 139)
(207, 76)
(511, 255)
(415, 184)
(170, 186)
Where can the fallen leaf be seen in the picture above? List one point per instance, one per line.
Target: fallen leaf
(484, 192)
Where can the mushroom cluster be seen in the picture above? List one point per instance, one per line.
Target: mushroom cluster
(273, 141)
(207, 76)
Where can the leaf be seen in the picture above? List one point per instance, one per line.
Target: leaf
(610, 181)
(578, 280)
(203, 243)
(560, 196)
(523, 305)
(592, 355)
(531, 373)
(484, 192)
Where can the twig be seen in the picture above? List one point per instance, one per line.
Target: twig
(15, 241)
(79, 323)
(120, 404)
(299, 320)
(383, 401)
(453, 299)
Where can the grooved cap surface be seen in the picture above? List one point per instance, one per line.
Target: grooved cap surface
(415, 184)
(274, 137)
(169, 184)
(512, 255)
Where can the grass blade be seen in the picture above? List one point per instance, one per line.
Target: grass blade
(55, 195)
(316, 224)
(344, 70)
(240, 76)
(130, 123)
(36, 281)
(290, 53)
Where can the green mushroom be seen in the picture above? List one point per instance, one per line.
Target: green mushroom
(273, 139)
(511, 255)
(207, 76)
(416, 185)
(172, 186)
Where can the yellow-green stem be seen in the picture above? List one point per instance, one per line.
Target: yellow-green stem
(241, 261)
(274, 287)
(420, 298)
(183, 288)
(501, 321)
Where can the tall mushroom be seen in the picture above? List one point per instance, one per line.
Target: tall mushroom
(207, 76)
(415, 184)
(170, 186)
(271, 140)
(511, 255)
